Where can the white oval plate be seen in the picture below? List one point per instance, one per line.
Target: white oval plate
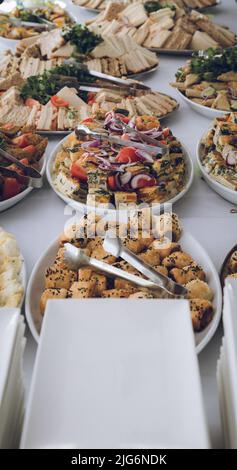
(4, 205)
(199, 108)
(188, 243)
(80, 206)
(8, 42)
(227, 193)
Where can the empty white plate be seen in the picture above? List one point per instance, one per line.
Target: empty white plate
(116, 375)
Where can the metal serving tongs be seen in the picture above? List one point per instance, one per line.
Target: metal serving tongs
(84, 133)
(44, 25)
(76, 258)
(31, 176)
(113, 245)
(135, 133)
(119, 82)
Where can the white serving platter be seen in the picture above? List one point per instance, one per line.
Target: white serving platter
(199, 108)
(223, 191)
(83, 207)
(9, 43)
(188, 243)
(4, 205)
(116, 375)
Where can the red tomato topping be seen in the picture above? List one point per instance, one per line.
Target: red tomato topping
(21, 141)
(9, 125)
(11, 188)
(78, 172)
(59, 102)
(30, 149)
(123, 118)
(166, 132)
(87, 120)
(31, 102)
(25, 161)
(112, 182)
(143, 182)
(127, 155)
(91, 95)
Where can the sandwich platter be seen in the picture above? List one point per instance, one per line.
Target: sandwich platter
(85, 5)
(165, 27)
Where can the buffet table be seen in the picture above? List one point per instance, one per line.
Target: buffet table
(40, 217)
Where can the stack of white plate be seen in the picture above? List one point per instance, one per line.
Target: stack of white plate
(12, 343)
(116, 373)
(227, 366)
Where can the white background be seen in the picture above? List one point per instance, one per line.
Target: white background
(39, 218)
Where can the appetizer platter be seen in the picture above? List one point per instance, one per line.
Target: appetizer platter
(12, 272)
(118, 56)
(99, 5)
(22, 23)
(22, 164)
(208, 82)
(229, 266)
(113, 167)
(56, 102)
(217, 156)
(195, 271)
(162, 27)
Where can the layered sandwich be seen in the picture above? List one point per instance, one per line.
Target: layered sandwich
(118, 56)
(210, 79)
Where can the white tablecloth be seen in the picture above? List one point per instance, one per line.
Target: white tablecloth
(39, 218)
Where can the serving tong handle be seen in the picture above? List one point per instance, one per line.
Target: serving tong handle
(95, 87)
(43, 25)
(83, 132)
(113, 245)
(120, 82)
(76, 258)
(25, 180)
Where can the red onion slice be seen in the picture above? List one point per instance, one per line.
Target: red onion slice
(91, 143)
(136, 178)
(108, 117)
(125, 178)
(231, 158)
(144, 156)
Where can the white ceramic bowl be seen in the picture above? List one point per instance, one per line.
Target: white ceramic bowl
(82, 207)
(188, 243)
(227, 193)
(4, 205)
(199, 108)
